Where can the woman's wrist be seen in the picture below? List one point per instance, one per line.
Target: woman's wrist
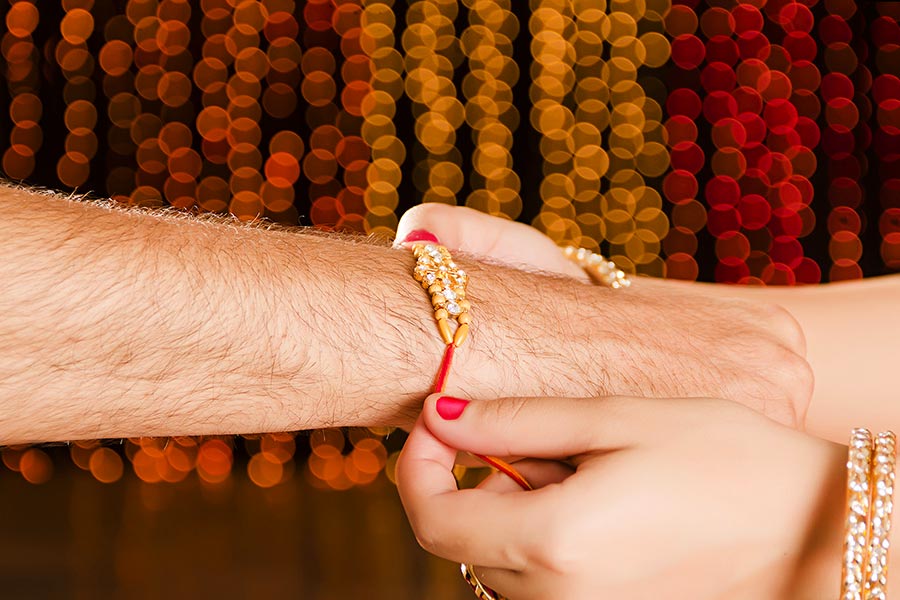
(818, 571)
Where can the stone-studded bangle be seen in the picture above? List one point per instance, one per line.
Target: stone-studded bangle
(600, 269)
(856, 532)
(881, 506)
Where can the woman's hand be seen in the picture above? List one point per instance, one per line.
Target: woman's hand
(657, 338)
(636, 498)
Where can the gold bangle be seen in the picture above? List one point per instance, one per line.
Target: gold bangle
(482, 592)
(603, 271)
(881, 507)
(856, 532)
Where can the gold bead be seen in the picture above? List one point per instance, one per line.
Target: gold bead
(465, 305)
(435, 288)
(438, 300)
(463, 318)
(462, 332)
(444, 328)
(440, 313)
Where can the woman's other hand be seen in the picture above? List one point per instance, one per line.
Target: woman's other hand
(636, 498)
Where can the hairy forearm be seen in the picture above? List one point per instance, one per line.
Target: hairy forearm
(130, 323)
(125, 323)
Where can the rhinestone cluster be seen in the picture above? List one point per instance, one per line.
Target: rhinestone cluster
(598, 267)
(856, 535)
(446, 282)
(882, 506)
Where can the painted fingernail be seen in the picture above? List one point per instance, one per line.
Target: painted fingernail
(450, 408)
(420, 235)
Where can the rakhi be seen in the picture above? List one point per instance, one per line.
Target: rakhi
(446, 283)
(442, 278)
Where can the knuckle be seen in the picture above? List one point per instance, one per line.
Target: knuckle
(559, 549)
(425, 536)
(784, 387)
(800, 383)
(794, 373)
(431, 539)
(787, 327)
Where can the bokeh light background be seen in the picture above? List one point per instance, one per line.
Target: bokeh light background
(739, 141)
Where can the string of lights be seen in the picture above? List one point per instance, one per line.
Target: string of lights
(886, 96)
(432, 53)
(844, 137)
(490, 112)
(378, 108)
(23, 84)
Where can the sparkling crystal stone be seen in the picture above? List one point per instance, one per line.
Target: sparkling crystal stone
(453, 308)
(429, 278)
(449, 294)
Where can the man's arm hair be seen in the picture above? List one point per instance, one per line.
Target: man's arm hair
(122, 322)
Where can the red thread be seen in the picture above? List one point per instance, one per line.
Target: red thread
(441, 379)
(505, 468)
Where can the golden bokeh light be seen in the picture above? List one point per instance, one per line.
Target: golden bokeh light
(641, 128)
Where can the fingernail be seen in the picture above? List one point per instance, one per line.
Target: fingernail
(450, 408)
(420, 235)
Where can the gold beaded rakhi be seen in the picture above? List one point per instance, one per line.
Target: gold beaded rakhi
(446, 283)
(442, 278)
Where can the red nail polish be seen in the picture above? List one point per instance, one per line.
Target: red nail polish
(420, 235)
(450, 408)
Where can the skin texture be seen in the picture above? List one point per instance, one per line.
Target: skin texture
(752, 509)
(119, 323)
(853, 340)
(850, 331)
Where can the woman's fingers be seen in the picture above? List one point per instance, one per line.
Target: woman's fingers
(497, 529)
(474, 232)
(553, 428)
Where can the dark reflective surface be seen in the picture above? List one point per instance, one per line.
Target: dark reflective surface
(73, 537)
